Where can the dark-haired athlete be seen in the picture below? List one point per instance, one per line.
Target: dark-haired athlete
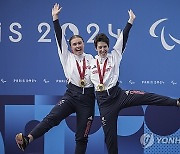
(111, 98)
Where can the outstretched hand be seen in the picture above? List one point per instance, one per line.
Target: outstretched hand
(132, 16)
(55, 10)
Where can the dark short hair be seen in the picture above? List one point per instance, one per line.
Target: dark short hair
(101, 38)
(75, 36)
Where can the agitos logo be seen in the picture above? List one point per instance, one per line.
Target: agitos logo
(163, 41)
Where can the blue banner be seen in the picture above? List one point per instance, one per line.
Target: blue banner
(32, 78)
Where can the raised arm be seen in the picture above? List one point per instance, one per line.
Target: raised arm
(127, 28)
(122, 39)
(60, 39)
(58, 31)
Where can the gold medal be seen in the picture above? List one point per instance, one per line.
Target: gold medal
(100, 87)
(82, 83)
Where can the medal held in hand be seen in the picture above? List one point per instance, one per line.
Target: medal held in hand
(82, 82)
(101, 86)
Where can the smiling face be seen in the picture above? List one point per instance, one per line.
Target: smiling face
(77, 46)
(101, 43)
(102, 49)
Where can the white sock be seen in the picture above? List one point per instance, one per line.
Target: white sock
(178, 103)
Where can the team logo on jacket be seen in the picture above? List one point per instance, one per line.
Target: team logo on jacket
(136, 92)
(103, 121)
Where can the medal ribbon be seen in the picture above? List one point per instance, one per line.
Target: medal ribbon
(101, 76)
(81, 73)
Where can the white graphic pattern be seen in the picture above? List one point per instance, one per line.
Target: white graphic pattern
(163, 41)
(147, 140)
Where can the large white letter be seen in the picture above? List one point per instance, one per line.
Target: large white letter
(42, 38)
(91, 39)
(111, 33)
(15, 32)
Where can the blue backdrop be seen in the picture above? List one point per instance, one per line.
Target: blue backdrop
(32, 78)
